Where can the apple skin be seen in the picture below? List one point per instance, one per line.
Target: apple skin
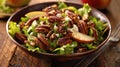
(99, 4)
(17, 3)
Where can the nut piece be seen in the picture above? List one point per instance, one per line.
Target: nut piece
(20, 37)
(83, 28)
(49, 8)
(43, 40)
(65, 40)
(43, 29)
(53, 36)
(40, 44)
(71, 15)
(53, 19)
(29, 22)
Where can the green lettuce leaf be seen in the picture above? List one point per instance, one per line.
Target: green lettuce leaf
(85, 10)
(33, 49)
(13, 28)
(66, 49)
(61, 5)
(4, 8)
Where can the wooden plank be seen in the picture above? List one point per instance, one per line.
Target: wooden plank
(23, 59)
(2, 34)
(7, 52)
(6, 46)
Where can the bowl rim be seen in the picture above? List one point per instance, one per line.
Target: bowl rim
(65, 55)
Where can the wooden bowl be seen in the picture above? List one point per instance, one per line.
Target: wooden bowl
(16, 17)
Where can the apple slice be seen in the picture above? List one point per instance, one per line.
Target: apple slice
(35, 14)
(82, 38)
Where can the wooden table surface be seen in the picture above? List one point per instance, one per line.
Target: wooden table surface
(12, 56)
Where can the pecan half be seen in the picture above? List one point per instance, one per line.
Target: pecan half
(20, 37)
(53, 36)
(53, 19)
(29, 22)
(43, 40)
(49, 8)
(73, 16)
(61, 28)
(43, 28)
(83, 28)
(40, 44)
(65, 40)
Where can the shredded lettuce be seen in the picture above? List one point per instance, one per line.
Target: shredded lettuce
(89, 46)
(24, 19)
(4, 8)
(61, 5)
(33, 49)
(31, 33)
(100, 26)
(53, 44)
(13, 28)
(85, 10)
(66, 49)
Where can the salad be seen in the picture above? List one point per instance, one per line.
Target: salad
(5, 10)
(59, 29)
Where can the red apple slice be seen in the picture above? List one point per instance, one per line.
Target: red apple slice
(82, 38)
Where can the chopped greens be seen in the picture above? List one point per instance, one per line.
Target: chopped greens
(66, 49)
(63, 30)
(61, 5)
(85, 10)
(4, 7)
(33, 49)
(13, 28)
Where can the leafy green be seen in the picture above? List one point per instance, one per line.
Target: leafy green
(4, 8)
(100, 26)
(66, 49)
(61, 5)
(90, 32)
(53, 43)
(33, 49)
(2, 2)
(45, 19)
(13, 28)
(24, 30)
(24, 19)
(89, 46)
(75, 10)
(85, 10)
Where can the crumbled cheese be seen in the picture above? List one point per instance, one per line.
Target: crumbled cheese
(41, 22)
(67, 18)
(34, 23)
(51, 12)
(57, 35)
(55, 27)
(59, 15)
(66, 12)
(75, 28)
